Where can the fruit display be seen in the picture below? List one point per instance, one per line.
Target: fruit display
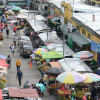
(80, 94)
(40, 67)
(3, 81)
(64, 92)
(46, 68)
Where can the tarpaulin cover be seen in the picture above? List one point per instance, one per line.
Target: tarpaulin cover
(55, 64)
(1, 95)
(21, 93)
(52, 54)
(3, 63)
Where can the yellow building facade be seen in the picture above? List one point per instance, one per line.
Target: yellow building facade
(68, 14)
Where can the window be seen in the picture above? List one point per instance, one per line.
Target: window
(84, 32)
(89, 36)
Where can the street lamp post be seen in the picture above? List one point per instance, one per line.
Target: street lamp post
(28, 7)
(63, 45)
(47, 28)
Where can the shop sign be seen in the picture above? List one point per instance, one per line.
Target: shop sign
(95, 46)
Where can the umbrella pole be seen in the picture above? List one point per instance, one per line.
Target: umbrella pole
(55, 86)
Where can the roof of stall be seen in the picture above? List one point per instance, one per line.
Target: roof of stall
(74, 64)
(55, 43)
(55, 64)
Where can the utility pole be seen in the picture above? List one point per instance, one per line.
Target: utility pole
(28, 7)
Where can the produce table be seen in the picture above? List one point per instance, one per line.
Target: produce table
(64, 94)
(80, 94)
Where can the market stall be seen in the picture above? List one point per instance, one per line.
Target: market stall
(3, 72)
(74, 64)
(22, 93)
(65, 92)
(52, 74)
(55, 64)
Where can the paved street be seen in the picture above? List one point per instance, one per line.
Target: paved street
(30, 74)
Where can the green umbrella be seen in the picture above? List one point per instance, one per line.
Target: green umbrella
(16, 8)
(52, 54)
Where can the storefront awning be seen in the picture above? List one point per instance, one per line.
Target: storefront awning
(78, 39)
(64, 28)
(55, 19)
(17, 4)
(51, 16)
(75, 36)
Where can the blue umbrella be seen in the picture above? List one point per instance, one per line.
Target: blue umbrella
(41, 86)
(3, 57)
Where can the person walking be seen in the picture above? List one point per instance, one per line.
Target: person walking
(15, 29)
(6, 25)
(1, 27)
(11, 24)
(18, 64)
(9, 61)
(12, 47)
(19, 76)
(7, 32)
(14, 41)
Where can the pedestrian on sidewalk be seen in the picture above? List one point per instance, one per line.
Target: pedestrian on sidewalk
(11, 24)
(15, 29)
(14, 41)
(9, 61)
(6, 25)
(12, 47)
(20, 76)
(7, 32)
(18, 64)
(32, 58)
(1, 26)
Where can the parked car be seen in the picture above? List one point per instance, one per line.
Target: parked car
(26, 51)
(23, 38)
(28, 43)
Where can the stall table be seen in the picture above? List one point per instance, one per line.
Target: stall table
(22, 93)
(64, 94)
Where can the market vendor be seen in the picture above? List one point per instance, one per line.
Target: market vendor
(63, 87)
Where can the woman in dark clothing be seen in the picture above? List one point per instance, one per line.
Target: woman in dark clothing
(41, 81)
(9, 61)
(7, 32)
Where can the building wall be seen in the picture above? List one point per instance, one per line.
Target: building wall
(81, 29)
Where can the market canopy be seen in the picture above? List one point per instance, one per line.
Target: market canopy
(54, 71)
(3, 57)
(22, 93)
(71, 77)
(16, 8)
(74, 64)
(3, 70)
(55, 19)
(37, 25)
(83, 55)
(78, 38)
(52, 54)
(55, 64)
(54, 43)
(21, 16)
(1, 97)
(3, 63)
